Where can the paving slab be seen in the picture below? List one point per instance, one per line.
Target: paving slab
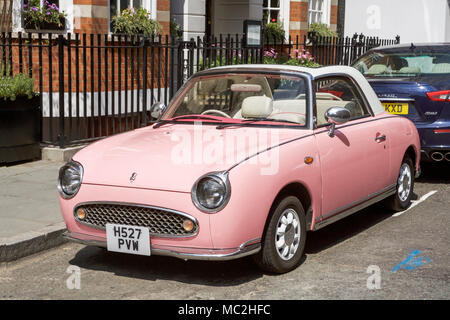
(30, 218)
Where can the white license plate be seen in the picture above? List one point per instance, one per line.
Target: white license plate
(128, 239)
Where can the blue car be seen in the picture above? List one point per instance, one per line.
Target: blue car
(414, 81)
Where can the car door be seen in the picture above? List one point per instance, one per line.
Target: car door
(355, 161)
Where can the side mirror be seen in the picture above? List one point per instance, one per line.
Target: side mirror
(157, 110)
(336, 115)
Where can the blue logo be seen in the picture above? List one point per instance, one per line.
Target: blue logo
(413, 261)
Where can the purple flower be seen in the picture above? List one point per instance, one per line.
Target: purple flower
(34, 9)
(48, 13)
(25, 5)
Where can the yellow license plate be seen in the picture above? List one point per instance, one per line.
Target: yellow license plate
(396, 108)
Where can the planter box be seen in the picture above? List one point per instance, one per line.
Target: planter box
(19, 129)
(45, 26)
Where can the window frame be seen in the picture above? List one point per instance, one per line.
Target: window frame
(365, 104)
(17, 24)
(283, 15)
(325, 12)
(149, 5)
(269, 8)
(309, 125)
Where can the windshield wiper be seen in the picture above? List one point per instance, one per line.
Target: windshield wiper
(252, 120)
(184, 117)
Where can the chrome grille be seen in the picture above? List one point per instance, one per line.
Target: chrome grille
(160, 221)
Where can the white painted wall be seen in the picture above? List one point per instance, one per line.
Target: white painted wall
(228, 15)
(190, 15)
(414, 20)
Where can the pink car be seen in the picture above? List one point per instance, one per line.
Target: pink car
(244, 161)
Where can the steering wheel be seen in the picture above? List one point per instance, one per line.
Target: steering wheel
(221, 113)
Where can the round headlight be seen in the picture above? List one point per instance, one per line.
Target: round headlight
(70, 177)
(211, 192)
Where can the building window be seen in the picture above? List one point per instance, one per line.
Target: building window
(271, 11)
(117, 6)
(316, 11)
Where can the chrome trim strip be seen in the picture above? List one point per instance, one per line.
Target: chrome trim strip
(141, 206)
(245, 249)
(353, 207)
(396, 99)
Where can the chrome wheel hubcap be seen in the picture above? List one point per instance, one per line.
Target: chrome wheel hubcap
(287, 236)
(404, 182)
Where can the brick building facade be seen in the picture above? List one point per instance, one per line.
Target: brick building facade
(85, 16)
(213, 17)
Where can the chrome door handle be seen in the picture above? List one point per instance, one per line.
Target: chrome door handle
(380, 138)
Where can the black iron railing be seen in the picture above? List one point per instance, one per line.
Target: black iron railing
(92, 86)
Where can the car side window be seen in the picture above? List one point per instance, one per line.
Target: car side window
(338, 92)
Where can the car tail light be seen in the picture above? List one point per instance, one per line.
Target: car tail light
(441, 130)
(443, 95)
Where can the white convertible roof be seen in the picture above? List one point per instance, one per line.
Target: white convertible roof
(371, 96)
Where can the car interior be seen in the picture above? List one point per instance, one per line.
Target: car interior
(406, 64)
(256, 97)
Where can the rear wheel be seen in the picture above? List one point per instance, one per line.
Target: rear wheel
(405, 186)
(284, 239)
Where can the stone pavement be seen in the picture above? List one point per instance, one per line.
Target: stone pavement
(30, 218)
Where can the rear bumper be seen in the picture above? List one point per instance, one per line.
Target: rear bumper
(247, 248)
(431, 141)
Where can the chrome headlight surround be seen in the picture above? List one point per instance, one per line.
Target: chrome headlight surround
(220, 179)
(74, 172)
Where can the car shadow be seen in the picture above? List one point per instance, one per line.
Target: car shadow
(211, 273)
(346, 228)
(221, 273)
(435, 173)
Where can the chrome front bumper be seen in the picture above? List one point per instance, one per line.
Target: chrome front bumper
(247, 248)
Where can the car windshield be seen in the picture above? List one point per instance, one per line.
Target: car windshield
(238, 98)
(405, 63)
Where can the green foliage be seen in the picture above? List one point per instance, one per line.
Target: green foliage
(300, 58)
(136, 22)
(321, 29)
(274, 31)
(36, 15)
(12, 87)
(175, 29)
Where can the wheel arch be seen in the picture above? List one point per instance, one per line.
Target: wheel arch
(412, 153)
(298, 190)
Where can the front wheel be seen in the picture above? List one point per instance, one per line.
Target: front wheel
(405, 186)
(284, 239)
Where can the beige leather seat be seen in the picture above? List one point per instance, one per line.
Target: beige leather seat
(256, 107)
(377, 69)
(265, 107)
(441, 68)
(409, 70)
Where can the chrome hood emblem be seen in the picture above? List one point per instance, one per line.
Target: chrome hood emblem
(133, 176)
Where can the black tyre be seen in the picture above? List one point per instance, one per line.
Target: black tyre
(284, 239)
(405, 187)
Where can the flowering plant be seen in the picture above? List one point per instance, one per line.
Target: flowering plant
(135, 22)
(45, 16)
(296, 58)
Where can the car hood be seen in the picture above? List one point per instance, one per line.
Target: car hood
(173, 157)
